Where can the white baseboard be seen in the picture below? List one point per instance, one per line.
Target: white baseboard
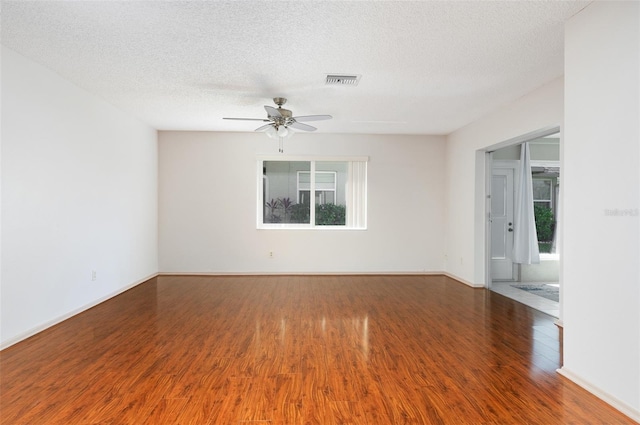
(623, 407)
(31, 332)
(461, 280)
(382, 273)
(368, 273)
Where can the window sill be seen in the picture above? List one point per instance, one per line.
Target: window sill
(549, 257)
(309, 227)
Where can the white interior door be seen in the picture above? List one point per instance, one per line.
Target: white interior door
(502, 267)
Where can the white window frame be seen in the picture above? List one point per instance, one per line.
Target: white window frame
(356, 201)
(548, 164)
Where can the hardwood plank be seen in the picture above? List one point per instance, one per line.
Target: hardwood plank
(297, 350)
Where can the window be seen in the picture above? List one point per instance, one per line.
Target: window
(338, 187)
(542, 192)
(543, 209)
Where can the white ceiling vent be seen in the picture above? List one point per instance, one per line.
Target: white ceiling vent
(342, 80)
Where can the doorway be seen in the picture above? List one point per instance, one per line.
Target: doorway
(536, 285)
(502, 205)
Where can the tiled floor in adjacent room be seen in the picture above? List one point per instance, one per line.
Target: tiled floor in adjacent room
(544, 305)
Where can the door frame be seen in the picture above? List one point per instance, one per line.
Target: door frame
(484, 163)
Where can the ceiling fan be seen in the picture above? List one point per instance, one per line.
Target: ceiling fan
(280, 120)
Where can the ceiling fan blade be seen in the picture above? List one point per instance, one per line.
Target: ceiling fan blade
(300, 126)
(246, 119)
(313, 118)
(263, 127)
(272, 112)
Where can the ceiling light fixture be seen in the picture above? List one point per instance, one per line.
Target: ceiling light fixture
(281, 121)
(279, 131)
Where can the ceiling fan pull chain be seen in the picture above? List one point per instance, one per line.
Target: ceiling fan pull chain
(280, 149)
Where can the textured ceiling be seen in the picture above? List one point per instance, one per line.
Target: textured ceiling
(427, 67)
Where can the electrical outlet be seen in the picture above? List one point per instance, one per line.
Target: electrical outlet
(94, 275)
(270, 254)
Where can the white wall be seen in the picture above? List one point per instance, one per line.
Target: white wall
(79, 193)
(208, 206)
(465, 173)
(601, 249)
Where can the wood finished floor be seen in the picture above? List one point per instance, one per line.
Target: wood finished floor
(297, 350)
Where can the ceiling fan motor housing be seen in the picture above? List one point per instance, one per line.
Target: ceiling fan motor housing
(279, 101)
(285, 118)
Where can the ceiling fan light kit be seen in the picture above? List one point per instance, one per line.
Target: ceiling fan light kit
(281, 121)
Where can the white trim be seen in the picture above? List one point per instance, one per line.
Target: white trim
(486, 201)
(310, 273)
(545, 163)
(547, 256)
(623, 407)
(532, 135)
(37, 329)
(313, 273)
(312, 158)
(463, 281)
(305, 226)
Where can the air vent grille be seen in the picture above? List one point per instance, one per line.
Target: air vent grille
(342, 80)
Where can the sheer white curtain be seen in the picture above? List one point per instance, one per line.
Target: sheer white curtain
(525, 240)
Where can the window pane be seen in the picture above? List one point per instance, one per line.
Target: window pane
(331, 180)
(281, 194)
(546, 204)
(541, 190)
(325, 180)
(304, 180)
(325, 197)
